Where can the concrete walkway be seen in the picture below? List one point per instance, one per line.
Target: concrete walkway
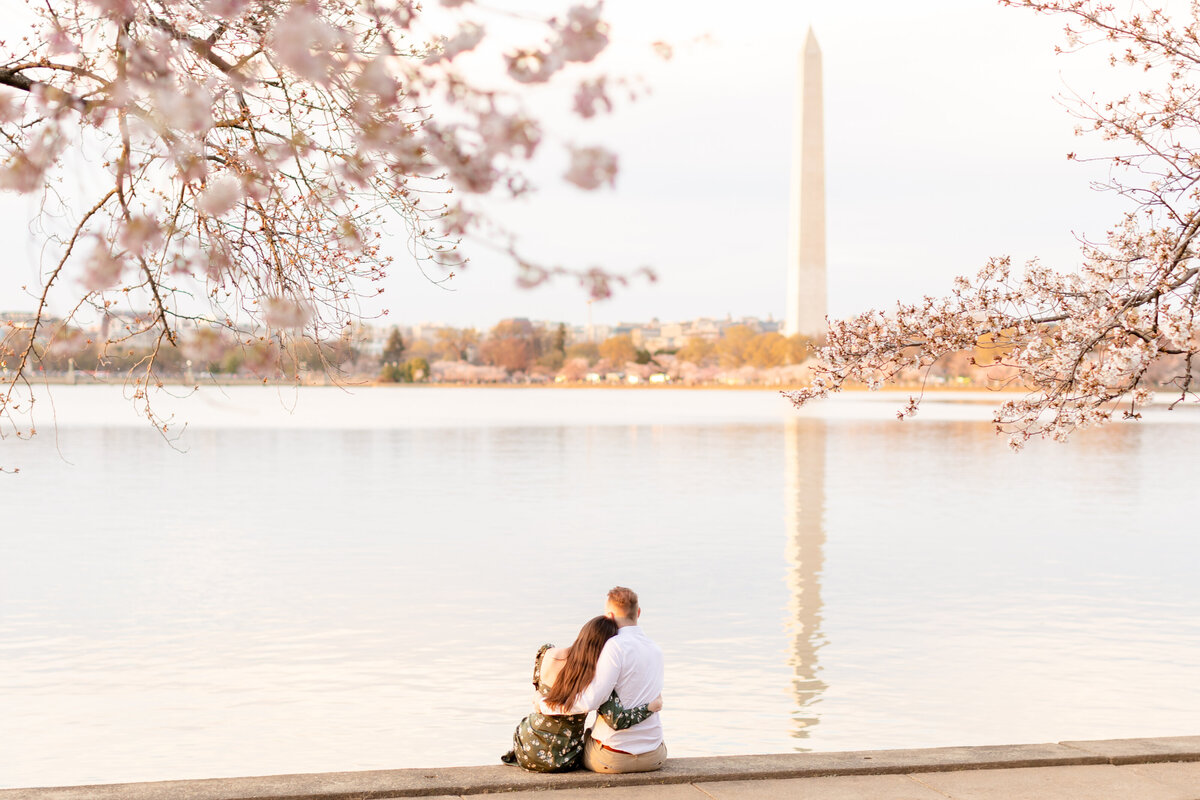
(1172, 781)
(1119, 769)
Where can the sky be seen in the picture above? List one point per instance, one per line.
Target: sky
(945, 135)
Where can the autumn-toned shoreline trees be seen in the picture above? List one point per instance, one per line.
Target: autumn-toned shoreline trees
(514, 351)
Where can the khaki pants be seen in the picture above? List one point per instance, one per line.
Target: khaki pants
(597, 759)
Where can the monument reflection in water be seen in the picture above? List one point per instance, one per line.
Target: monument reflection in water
(804, 501)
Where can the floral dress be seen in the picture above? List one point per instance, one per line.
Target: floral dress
(546, 743)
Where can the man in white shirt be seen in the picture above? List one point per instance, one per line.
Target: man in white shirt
(633, 665)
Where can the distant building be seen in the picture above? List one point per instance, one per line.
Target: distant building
(369, 340)
(703, 329)
(20, 320)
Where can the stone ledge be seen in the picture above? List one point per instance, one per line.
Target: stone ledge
(378, 784)
(1142, 751)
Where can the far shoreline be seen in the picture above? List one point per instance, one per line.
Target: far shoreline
(974, 395)
(364, 383)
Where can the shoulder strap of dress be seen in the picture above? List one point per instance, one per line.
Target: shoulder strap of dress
(537, 665)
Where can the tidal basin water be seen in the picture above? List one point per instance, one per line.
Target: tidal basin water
(326, 580)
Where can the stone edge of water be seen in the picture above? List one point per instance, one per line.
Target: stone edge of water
(495, 779)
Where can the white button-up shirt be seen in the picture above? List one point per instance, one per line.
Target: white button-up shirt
(633, 665)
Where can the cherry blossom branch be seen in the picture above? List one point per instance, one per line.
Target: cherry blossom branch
(39, 314)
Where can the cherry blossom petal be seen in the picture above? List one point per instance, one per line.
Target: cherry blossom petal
(281, 312)
(102, 270)
(592, 167)
(221, 195)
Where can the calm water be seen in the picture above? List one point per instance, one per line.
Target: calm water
(327, 581)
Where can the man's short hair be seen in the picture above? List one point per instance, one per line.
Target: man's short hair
(624, 601)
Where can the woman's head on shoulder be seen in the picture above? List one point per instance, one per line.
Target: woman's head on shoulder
(580, 666)
(595, 632)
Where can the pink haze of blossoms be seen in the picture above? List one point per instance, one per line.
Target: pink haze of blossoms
(249, 150)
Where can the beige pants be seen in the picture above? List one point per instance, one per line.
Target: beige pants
(597, 759)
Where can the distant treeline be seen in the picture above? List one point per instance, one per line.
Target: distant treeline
(512, 351)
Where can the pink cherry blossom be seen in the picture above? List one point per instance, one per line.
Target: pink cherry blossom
(590, 95)
(188, 109)
(457, 220)
(226, 8)
(584, 34)
(215, 263)
(26, 169)
(102, 270)
(376, 78)
(282, 312)
(468, 36)
(140, 233)
(592, 167)
(115, 9)
(221, 195)
(472, 170)
(506, 133)
(305, 43)
(533, 66)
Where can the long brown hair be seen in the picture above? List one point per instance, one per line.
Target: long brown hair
(580, 666)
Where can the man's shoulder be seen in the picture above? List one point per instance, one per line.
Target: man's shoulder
(612, 648)
(638, 642)
(646, 641)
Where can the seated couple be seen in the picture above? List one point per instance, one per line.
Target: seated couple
(613, 669)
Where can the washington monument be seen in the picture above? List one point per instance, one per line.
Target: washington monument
(806, 232)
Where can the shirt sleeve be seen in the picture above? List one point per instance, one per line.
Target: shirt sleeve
(608, 669)
(619, 718)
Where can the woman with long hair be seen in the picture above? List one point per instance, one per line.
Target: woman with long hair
(554, 742)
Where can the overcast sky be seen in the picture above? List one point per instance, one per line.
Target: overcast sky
(945, 144)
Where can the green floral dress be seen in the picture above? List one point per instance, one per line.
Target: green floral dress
(545, 743)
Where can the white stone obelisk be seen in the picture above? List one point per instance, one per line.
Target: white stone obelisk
(806, 234)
